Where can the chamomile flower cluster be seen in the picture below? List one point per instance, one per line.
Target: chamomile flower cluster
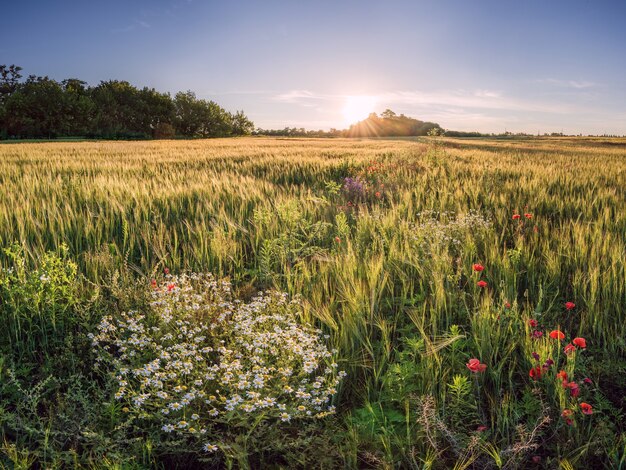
(198, 358)
(440, 229)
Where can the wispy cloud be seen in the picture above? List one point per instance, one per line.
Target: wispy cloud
(468, 99)
(237, 92)
(461, 99)
(303, 97)
(576, 84)
(138, 24)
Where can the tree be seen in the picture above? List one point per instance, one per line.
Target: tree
(200, 118)
(35, 109)
(9, 79)
(241, 124)
(79, 108)
(187, 114)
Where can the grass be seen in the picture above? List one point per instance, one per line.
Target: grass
(389, 277)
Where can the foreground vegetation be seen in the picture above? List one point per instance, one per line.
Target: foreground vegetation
(428, 304)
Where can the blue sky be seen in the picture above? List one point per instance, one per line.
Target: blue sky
(482, 65)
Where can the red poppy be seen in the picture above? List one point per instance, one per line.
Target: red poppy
(569, 305)
(481, 428)
(580, 342)
(507, 305)
(516, 216)
(562, 375)
(557, 334)
(570, 348)
(337, 240)
(537, 334)
(171, 286)
(587, 380)
(528, 216)
(475, 366)
(481, 284)
(586, 408)
(533, 323)
(573, 389)
(153, 283)
(478, 267)
(535, 373)
(378, 194)
(166, 271)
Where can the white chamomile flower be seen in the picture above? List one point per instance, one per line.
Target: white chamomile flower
(209, 447)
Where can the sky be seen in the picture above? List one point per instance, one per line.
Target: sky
(485, 65)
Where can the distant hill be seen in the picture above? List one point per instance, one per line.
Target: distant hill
(389, 124)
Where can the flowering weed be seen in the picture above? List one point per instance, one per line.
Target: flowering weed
(199, 358)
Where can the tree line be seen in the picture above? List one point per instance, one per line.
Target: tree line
(388, 124)
(40, 107)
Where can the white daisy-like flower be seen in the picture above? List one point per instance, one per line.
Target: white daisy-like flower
(209, 447)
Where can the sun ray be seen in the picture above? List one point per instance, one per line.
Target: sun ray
(358, 107)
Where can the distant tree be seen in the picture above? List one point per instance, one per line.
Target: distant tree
(200, 118)
(241, 124)
(155, 108)
(9, 80)
(116, 110)
(127, 112)
(187, 114)
(216, 122)
(35, 109)
(78, 108)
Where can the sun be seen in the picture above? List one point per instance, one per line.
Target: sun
(357, 108)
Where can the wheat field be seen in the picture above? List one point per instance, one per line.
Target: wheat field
(380, 239)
